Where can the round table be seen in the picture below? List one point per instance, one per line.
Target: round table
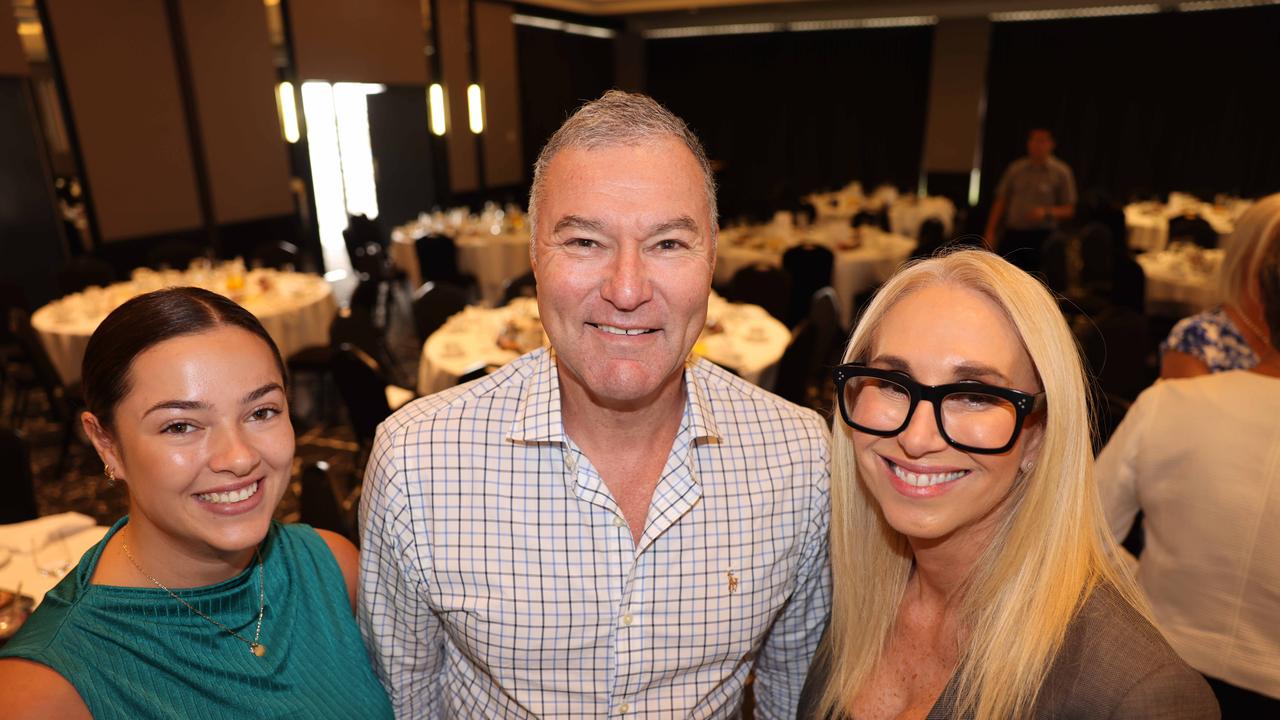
(1148, 222)
(875, 258)
(295, 308)
(1180, 283)
(743, 338)
(38, 553)
(492, 259)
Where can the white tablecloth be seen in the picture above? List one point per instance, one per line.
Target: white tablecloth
(492, 259)
(295, 308)
(744, 338)
(1148, 222)
(856, 269)
(906, 212)
(59, 542)
(1180, 283)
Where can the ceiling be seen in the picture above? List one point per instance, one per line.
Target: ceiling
(830, 8)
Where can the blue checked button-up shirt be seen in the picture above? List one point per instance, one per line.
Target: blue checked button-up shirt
(500, 580)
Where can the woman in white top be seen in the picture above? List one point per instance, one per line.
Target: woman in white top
(1201, 458)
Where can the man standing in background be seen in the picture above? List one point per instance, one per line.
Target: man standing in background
(1035, 194)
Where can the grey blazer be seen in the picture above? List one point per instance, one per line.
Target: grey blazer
(1113, 664)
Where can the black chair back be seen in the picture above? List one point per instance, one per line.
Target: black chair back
(433, 304)
(363, 387)
(801, 371)
(1193, 229)
(281, 255)
(84, 271)
(320, 503)
(524, 286)
(355, 327)
(930, 238)
(763, 285)
(810, 267)
(437, 258)
(16, 485)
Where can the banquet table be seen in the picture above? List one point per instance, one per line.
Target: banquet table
(1148, 222)
(1180, 281)
(58, 541)
(864, 257)
(906, 212)
(492, 258)
(295, 308)
(743, 338)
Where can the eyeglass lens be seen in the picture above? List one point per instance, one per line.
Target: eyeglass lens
(969, 418)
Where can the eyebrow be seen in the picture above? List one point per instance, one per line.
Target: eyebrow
(963, 371)
(577, 222)
(253, 396)
(684, 222)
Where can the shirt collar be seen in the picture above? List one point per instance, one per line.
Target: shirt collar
(539, 417)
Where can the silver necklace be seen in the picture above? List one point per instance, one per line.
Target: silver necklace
(255, 647)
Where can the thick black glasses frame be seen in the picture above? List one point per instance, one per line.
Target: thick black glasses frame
(1023, 403)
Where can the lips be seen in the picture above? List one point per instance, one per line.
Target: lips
(622, 331)
(922, 482)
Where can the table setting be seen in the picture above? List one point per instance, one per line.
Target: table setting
(864, 257)
(34, 557)
(1180, 279)
(295, 308)
(741, 337)
(1148, 221)
(493, 246)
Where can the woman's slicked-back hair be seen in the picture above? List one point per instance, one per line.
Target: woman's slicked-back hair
(146, 321)
(1049, 550)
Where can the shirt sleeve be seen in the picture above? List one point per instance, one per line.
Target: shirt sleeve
(1006, 181)
(784, 659)
(402, 635)
(1117, 468)
(1067, 193)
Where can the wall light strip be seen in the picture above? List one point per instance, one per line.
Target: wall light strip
(565, 27)
(435, 102)
(288, 106)
(1069, 13)
(1223, 5)
(797, 26)
(475, 108)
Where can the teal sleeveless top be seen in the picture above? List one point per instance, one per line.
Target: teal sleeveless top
(138, 653)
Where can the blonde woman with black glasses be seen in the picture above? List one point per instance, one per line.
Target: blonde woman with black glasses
(973, 570)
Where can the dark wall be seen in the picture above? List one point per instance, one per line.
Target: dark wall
(403, 154)
(1144, 104)
(785, 114)
(30, 236)
(558, 72)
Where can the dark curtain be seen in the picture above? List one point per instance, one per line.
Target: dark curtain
(784, 114)
(404, 154)
(1142, 105)
(558, 72)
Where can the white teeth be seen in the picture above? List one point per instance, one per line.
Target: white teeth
(925, 479)
(622, 331)
(243, 493)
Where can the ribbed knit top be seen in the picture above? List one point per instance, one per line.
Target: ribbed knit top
(138, 653)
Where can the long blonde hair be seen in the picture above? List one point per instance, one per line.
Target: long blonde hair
(1048, 553)
(1245, 248)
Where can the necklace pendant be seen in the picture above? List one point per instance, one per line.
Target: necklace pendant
(258, 649)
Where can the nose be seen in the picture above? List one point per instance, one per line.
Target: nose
(234, 453)
(627, 285)
(922, 435)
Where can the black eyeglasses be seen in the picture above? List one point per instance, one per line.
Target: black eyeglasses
(972, 416)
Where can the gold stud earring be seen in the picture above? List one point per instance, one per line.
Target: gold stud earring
(111, 475)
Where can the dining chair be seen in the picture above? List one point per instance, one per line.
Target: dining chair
(763, 285)
(433, 304)
(16, 484)
(810, 267)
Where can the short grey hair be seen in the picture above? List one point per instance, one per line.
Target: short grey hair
(619, 118)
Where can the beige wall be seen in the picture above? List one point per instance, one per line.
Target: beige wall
(496, 68)
(118, 67)
(380, 41)
(11, 60)
(454, 45)
(233, 80)
(956, 93)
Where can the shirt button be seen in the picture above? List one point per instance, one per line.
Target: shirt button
(623, 708)
(628, 619)
(619, 521)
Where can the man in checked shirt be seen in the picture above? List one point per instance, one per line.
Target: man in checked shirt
(609, 527)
